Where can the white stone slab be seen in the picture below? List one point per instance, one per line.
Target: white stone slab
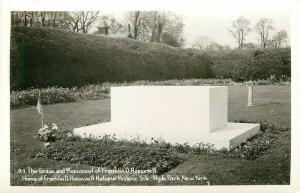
(175, 114)
(230, 136)
(195, 109)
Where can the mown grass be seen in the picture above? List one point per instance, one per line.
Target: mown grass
(273, 167)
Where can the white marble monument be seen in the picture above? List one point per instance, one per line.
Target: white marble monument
(175, 114)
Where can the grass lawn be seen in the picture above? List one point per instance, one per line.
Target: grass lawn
(272, 103)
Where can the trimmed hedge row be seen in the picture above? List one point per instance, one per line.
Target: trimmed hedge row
(241, 65)
(42, 57)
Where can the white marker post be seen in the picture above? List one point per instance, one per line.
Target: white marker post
(250, 94)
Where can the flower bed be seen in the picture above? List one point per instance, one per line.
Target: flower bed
(109, 152)
(101, 91)
(258, 145)
(48, 96)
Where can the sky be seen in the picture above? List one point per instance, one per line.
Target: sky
(215, 25)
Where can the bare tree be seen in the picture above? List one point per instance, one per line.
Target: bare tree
(88, 18)
(279, 39)
(43, 18)
(263, 27)
(159, 22)
(136, 19)
(174, 27)
(25, 18)
(82, 21)
(239, 30)
(74, 21)
(162, 19)
(154, 22)
(150, 25)
(19, 18)
(137, 24)
(129, 32)
(153, 17)
(55, 19)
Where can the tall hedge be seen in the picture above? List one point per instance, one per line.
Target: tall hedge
(249, 64)
(43, 57)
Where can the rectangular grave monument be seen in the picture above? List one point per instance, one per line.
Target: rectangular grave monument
(175, 114)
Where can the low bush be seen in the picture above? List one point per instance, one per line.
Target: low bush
(48, 96)
(93, 91)
(255, 147)
(101, 91)
(250, 149)
(201, 148)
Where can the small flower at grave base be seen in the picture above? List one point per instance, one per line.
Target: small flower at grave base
(54, 126)
(47, 134)
(69, 134)
(47, 144)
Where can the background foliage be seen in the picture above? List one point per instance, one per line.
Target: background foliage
(43, 57)
(253, 64)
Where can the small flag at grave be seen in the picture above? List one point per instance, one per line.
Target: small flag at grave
(40, 108)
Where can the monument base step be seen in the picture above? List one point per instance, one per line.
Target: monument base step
(231, 136)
